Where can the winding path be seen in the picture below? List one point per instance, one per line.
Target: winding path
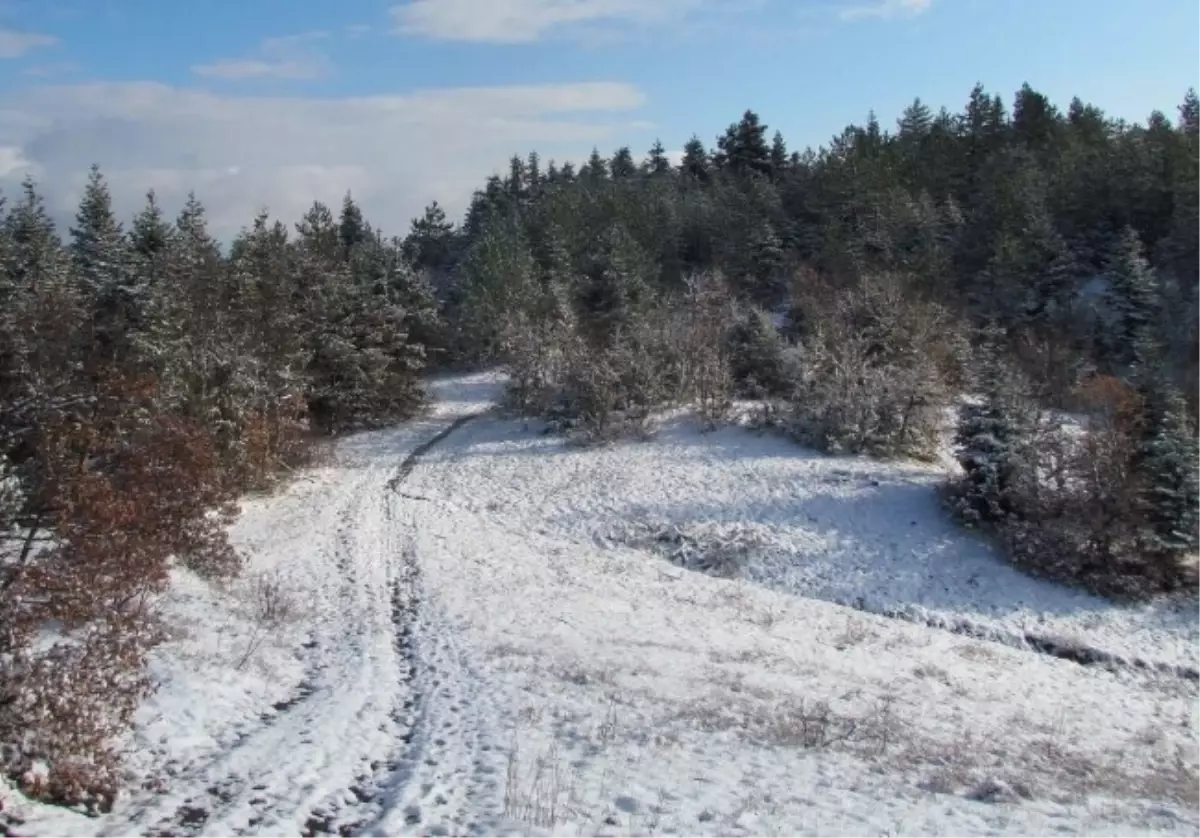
(385, 734)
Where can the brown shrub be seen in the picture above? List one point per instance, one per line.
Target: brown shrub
(112, 491)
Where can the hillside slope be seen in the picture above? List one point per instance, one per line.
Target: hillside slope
(492, 638)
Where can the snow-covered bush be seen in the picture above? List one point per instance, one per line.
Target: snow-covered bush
(603, 389)
(876, 369)
(720, 550)
(758, 364)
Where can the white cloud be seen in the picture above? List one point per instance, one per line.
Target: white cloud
(396, 153)
(14, 44)
(45, 71)
(887, 9)
(12, 162)
(290, 57)
(526, 21)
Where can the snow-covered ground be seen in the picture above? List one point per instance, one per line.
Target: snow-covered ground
(495, 643)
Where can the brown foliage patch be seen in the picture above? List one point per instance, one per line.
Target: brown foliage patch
(115, 490)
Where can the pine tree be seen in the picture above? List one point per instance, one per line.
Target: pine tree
(1189, 114)
(915, 123)
(622, 165)
(429, 243)
(1035, 121)
(695, 162)
(757, 354)
(104, 272)
(992, 438)
(596, 168)
(657, 162)
(517, 184)
(779, 156)
(150, 233)
(96, 240)
(617, 286)
(1133, 297)
(1168, 463)
(743, 148)
(319, 233)
(352, 227)
(43, 314)
(498, 276)
(34, 250)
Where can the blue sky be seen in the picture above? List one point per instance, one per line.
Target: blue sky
(272, 102)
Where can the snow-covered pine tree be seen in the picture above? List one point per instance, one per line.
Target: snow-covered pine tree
(617, 287)
(352, 227)
(757, 354)
(657, 162)
(992, 437)
(1134, 299)
(1167, 460)
(105, 274)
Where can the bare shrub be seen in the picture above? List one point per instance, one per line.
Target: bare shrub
(708, 314)
(599, 390)
(269, 600)
(270, 604)
(876, 370)
(723, 554)
(272, 442)
(538, 346)
(538, 793)
(810, 725)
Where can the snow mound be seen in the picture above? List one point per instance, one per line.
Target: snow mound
(641, 698)
(847, 530)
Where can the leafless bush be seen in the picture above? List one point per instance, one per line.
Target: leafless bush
(599, 391)
(810, 725)
(709, 317)
(876, 369)
(539, 347)
(269, 604)
(269, 600)
(723, 554)
(799, 722)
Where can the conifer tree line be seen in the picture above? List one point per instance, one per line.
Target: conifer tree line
(146, 379)
(1041, 263)
(1034, 260)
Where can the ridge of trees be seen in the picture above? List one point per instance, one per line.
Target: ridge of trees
(146, 379)
(1040, 261)
(1043, 261)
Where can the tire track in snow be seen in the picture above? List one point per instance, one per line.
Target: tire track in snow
(434, 773)
(385, 733)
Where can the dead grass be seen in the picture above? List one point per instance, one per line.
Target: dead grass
(269, 604)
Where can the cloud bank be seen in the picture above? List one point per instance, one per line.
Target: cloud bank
(239, 153)
(14, 43)
(526, 21)
(291, 57)
(887, 10)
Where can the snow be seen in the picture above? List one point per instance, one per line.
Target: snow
(496, 644)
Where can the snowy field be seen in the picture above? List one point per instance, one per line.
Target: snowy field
(495, 639)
